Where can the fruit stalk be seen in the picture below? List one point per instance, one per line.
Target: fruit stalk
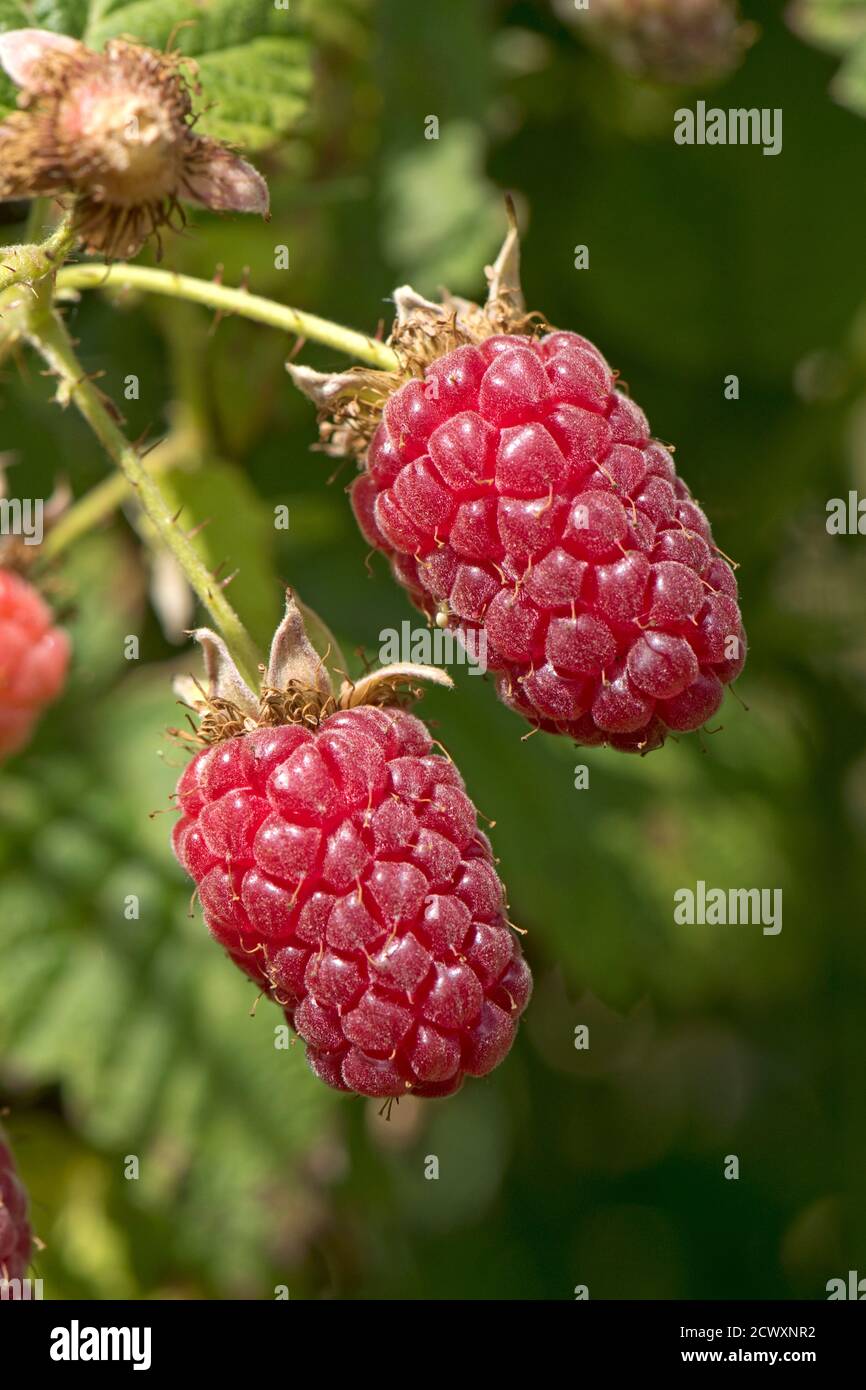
(102, 501)
(231, 301)
(22, 265)
(47, 334)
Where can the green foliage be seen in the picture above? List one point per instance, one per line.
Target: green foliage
(442, 242)
(833, 24)
(840, 27)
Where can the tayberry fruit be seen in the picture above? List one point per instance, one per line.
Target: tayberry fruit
(338, 860)
(34, 656)
(522, 501)
(16, 1237)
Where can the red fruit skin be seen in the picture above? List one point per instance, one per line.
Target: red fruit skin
(530, 499)
(344, 871)
(34, 656)
(16, 1237)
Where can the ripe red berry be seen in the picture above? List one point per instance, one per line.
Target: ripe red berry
(523, 501)
(34, 656)
(343, 869)
(340, 864)
(16, 1238)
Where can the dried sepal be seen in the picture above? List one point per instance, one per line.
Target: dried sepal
(323, 640)
(22, 50)
(350, 403)
(296, 687)
(293, 660)
(504, 290)
(223, 680)
(325, 388)
(219, 179)
(391, 683)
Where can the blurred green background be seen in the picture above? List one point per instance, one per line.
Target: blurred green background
(134, 1037)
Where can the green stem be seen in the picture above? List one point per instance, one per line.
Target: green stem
(38, 218)
(229, 301)
(21, 265)
(102, 501)
(47, 333)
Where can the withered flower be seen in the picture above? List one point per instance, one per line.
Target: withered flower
(670, 41)
(116, 129)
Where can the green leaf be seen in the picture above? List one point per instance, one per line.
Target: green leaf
(434, 241)
(253, 58)
(259, 89)
(831, 24)
(840, 27)
(849, 84)
(144, 1024)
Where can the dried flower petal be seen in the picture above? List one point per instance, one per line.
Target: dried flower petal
(117, 130)
(21, 50)
(222, 181)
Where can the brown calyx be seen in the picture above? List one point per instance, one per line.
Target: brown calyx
(296, 687)
(350, 403)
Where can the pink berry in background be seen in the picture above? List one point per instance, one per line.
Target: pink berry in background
(34, 656)
(16, 1237)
